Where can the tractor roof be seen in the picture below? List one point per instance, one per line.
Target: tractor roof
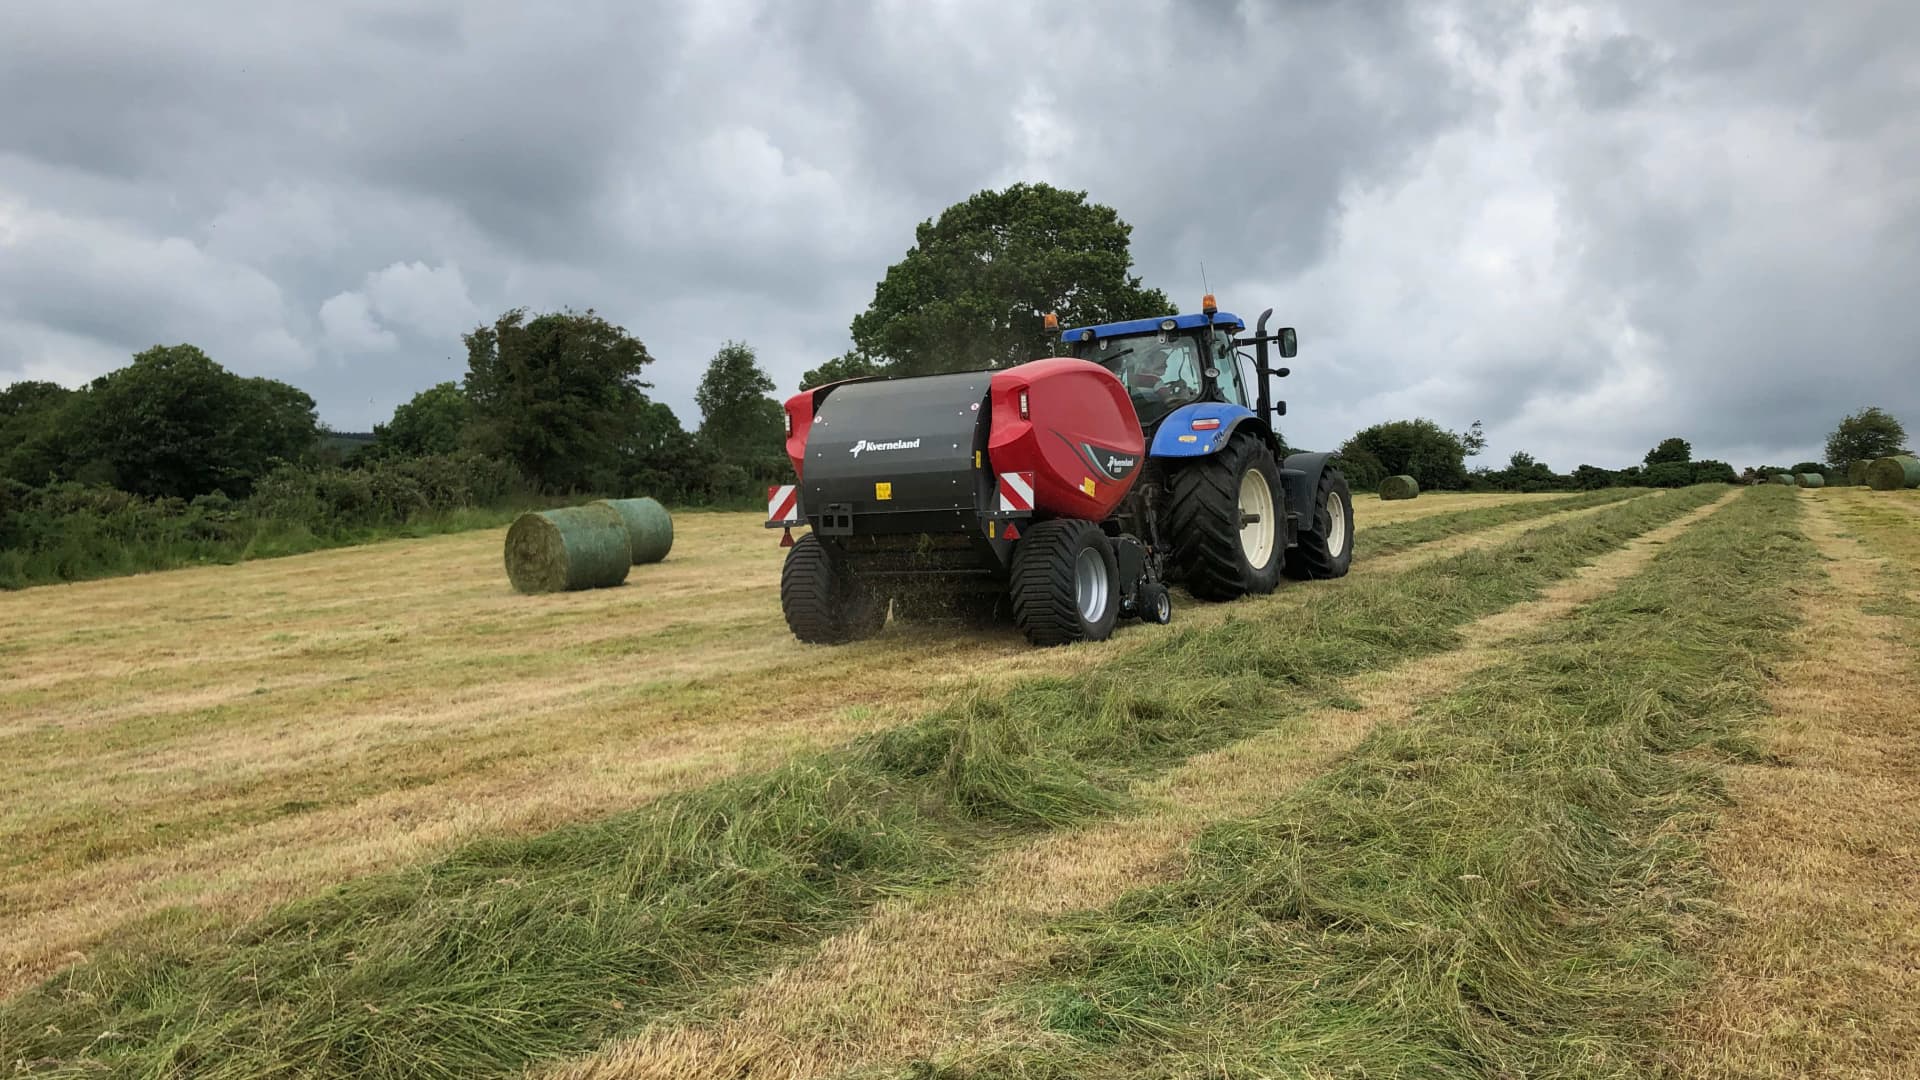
(1225, 320)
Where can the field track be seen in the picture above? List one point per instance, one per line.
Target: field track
(229, 737)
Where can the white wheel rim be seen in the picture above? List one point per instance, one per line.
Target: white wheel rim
(1336, 524)
(1256, 537)
(1090, 584)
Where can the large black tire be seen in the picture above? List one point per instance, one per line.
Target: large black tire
(1046, 585)
(1207, 526)
(823, 602)
(1326, 540)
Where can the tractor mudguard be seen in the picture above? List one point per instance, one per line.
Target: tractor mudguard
(1178, 437)
(1301, 475)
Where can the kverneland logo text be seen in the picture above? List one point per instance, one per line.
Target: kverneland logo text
(897, 444)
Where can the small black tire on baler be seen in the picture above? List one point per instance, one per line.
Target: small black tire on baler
(825, 604)
(1325, 549)
(1207, 523)
(1065, 583)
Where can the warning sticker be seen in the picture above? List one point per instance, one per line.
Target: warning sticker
(883, 490)
(1087, 485)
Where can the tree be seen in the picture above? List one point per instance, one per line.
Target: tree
(434, 422)
(739, 421)
(558, 396)
(1714, 472)
(1675, 450)
(1870, 433)
(31, 447)
(847, 365)
(974, 287)
(1422, 449)
(174, 423)
(1668, 474)
(1475, 440)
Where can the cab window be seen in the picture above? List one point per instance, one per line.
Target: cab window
(1223, 357)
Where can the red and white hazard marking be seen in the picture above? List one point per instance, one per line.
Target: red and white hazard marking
(1016, 492)
(783, 504)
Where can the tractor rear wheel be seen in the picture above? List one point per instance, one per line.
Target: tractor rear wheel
(1228, 521)
(824, 603)
(1326, 536)
(1066, 583)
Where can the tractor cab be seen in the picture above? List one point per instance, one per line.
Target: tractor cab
(1168, 362)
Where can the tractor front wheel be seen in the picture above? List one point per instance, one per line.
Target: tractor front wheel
(824, 603)
(1228, 521)
(1066, 583)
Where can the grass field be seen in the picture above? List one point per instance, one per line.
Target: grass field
(969, 855)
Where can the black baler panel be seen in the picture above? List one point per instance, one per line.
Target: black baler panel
(917, 435)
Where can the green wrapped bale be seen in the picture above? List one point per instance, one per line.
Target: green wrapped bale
(1399, 487)
(1811, 480)
(1857, 472)
(649, 527)
(1894, 473)
(1783, 478)
(576, 547)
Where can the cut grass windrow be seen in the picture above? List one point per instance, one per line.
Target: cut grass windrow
(1379, 540)
(1492, 890)
(515, 950)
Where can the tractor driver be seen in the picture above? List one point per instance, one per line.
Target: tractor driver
(1160, 376)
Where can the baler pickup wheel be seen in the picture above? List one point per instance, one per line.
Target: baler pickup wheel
(1066, 583)
(823, 602)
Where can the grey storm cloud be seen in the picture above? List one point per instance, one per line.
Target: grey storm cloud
(1589, 225)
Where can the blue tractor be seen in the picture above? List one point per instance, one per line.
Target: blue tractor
(1237, 514)
(1068, 492)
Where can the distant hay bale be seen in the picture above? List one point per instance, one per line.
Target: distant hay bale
(1857, 471)
(1811, 480)
(1894, 473)
(1783, 478)
(1399, 487)
(576, 547)
(649, 527)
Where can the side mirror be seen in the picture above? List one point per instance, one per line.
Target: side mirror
(1289, 343)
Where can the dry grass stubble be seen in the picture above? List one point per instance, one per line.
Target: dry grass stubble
(1821, 853)
(228, 737)
(917, 976)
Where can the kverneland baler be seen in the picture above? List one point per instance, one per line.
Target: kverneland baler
(1069, 491)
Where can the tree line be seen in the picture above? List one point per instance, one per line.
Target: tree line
(174, 458)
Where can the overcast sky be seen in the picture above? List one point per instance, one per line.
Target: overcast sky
(1590, 226)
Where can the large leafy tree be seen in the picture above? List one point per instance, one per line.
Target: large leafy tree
(558, 395)
(973, 289)
(739, 421)
(1869, 433)
(30, 431)
(1422, 449)
(175, 423)
(1674, 451)
(435, 421)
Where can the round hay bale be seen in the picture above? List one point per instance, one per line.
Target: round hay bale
(1399, 487)
(1783, 478)
(1857, 471)
(1811, 480)
(576, 547)
(1894, 473)
(649, 527)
